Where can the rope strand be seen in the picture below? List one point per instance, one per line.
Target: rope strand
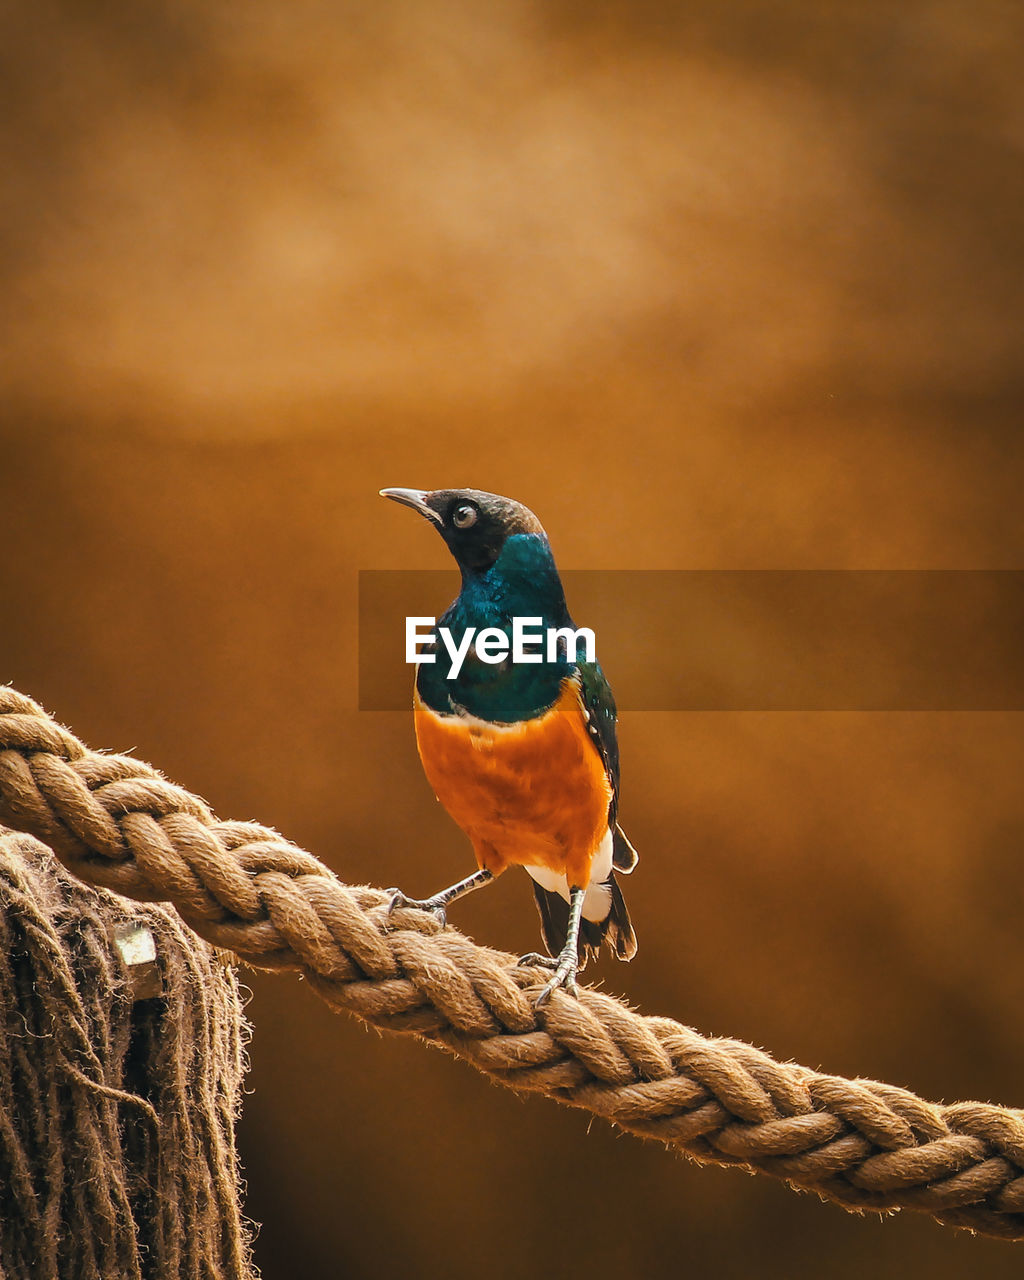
(116, 822)
(116, 1115)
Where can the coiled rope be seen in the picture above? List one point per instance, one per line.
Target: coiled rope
(115, 822)
(117, 1110)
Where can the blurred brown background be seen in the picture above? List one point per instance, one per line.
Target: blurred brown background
(719, 285)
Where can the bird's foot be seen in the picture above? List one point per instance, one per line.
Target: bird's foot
(435, 906)
(566, 968)
(535, 960)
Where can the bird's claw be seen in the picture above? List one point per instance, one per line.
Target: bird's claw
(433, 906)
(535, 960)
(564, 976)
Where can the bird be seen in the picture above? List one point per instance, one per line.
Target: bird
(523, 755)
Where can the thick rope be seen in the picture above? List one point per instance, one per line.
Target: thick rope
(114, 821)
(117, 1153)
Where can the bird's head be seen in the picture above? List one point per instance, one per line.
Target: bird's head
(475, 525)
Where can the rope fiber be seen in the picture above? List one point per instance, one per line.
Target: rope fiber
(116, 822)
(117, 1153)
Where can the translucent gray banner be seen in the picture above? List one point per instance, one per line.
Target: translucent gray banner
(753, 640)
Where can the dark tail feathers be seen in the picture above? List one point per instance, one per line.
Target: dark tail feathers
(615, 929)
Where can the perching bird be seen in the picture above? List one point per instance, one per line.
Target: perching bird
(523, 755)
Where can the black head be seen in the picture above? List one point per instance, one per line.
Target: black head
(475, 525)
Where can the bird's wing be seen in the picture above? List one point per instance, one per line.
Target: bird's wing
(599, 708)
(600, 714)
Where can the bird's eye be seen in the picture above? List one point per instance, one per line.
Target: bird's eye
(464, 516)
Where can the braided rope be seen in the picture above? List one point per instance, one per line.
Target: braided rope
(116, 822)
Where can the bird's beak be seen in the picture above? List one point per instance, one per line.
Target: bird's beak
(415, 498)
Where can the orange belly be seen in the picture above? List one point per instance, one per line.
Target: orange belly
(532, 794)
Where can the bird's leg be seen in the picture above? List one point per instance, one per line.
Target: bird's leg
(437, 904)
(568, 961)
